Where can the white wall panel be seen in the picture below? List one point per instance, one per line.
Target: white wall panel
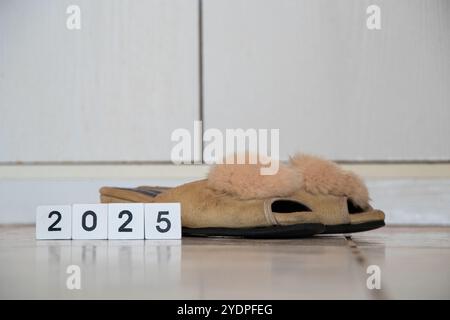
(333, 87)
(112, 91)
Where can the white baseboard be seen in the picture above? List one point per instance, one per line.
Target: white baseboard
(413, 201)
(409, 194)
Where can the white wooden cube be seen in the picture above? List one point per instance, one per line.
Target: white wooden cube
(162, 221)
(126, 221)
(89, 221)
(54, 222)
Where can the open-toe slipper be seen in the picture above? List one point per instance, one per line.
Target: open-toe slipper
(339, 198)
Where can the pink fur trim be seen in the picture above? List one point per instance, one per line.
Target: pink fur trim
(313, 174)
(246, 182)
(325, 177)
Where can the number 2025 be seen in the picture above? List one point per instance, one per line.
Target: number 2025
(109, 221)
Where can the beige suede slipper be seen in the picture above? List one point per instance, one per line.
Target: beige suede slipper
(209, 212)
(308, 185)
(341, 197)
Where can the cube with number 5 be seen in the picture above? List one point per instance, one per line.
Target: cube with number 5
(54, 222)
(162, 221)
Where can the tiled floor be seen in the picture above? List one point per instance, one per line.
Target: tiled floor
(414, 263)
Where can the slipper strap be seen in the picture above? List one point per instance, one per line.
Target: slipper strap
(270, 217)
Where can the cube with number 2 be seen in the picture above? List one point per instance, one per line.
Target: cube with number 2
(54, 222)
(162, 221)
(126, 221)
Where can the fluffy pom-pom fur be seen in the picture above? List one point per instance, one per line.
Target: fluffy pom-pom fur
(310, 173)
(326, 177)
(246, 182)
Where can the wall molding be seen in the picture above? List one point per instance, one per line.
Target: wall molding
(170, 171)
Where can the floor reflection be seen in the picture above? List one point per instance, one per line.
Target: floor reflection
(109, 266)
(413, 263)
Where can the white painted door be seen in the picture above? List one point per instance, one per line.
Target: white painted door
(111, 91)
(333, 87)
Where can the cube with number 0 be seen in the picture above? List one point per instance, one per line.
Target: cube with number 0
(162, 221)
(90, 221)
(54, 222)
(126, 221)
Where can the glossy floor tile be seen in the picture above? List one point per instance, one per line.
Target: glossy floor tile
(413, 263)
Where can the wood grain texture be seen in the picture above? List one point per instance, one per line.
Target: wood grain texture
(333, 87)
(113, 90)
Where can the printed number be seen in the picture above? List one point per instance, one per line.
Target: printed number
(94, 220)
(58, 219)
(130, 217)
(161, 219)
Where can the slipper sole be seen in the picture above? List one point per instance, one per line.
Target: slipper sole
(275, 232)
(353, 228)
